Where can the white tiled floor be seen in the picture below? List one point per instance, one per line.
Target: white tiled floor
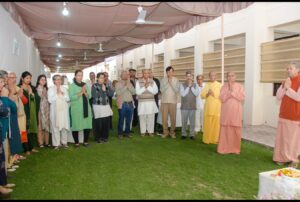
(264, 135)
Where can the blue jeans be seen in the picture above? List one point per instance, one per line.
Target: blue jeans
(125, 113)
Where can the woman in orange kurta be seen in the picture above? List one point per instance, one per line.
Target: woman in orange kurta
(287, 143)
(232, 94)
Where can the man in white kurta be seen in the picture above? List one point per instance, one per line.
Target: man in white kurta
(58, 98)
(146, 88)
(199, 105)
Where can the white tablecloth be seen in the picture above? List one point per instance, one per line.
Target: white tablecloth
(278, 187)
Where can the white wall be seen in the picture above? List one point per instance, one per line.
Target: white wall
(28, 58)
(256, 22)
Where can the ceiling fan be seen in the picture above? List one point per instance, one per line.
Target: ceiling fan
(141, 19)
(101, 50)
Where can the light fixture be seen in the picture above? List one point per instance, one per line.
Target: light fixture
(65, 11)
(58, 67)
(58, 44)
(59, 55)
(57, 60)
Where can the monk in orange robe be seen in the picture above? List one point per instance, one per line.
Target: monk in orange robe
(287, 144)
(232, 94)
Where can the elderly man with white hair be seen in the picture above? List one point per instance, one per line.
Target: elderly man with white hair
(146, 88)
(125, 91)
(287, 144)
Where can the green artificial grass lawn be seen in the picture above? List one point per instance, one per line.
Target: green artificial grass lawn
(141, 168)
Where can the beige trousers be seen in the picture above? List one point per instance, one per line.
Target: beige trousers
(168, 109)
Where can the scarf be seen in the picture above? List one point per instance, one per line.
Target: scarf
(84, 98)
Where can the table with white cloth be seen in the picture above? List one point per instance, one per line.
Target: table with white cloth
(272, 186)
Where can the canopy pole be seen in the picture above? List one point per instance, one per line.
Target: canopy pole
(122, 62)
(152, 65)
(222, 36)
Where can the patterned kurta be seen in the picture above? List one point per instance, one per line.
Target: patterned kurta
(44, 109)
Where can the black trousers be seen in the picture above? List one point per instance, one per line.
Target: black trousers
(3, 176)
(135, 120)
(155, 122)
(110, 118)
(86, 133)
(101, 129)
(32, 141)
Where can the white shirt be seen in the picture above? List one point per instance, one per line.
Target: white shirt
(200, 102)
(59, 114)
(146, 107)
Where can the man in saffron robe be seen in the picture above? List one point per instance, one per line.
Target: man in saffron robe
(232, 95)
(212, 110)
(287, 143)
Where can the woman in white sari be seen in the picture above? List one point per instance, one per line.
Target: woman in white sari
(59, 113)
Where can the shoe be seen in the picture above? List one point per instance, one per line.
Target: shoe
(173, 136)
(293, 164)
(9, 185)
(41, 146)
(11, 170)
(86, 144)
(151, 134)
(192, 138)
(4, 190)
(76, 145)
(280, 163)
(28, 153)
(20, 157)
(143, 135)
(183, 137)
(15, 166)
(56, 148)
(99, 142)
(120, 137)
(164, 136)
(65, 146)
(34, 150)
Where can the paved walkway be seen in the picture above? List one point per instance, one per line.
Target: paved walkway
(264, 135)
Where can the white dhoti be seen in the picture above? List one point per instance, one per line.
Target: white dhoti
(146, 112)
(199, 120)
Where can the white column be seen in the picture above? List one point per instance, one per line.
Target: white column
(169, 53)
(257, 32)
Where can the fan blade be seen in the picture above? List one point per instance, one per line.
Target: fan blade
(124, 22)
(152, 23)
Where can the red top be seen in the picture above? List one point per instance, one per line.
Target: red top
(290, 108)
(24, 99)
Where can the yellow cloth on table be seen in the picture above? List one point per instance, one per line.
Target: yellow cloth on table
(212, 112)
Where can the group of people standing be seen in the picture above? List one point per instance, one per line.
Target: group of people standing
(28, 114)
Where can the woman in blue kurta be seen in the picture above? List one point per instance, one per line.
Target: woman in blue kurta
(81, 112)
(4, 123)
